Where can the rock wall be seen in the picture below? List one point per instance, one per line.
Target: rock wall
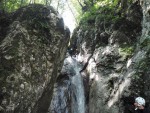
(33, 45)
(115, 58)
(113, 52)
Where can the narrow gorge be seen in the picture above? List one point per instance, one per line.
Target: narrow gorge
(99, 68)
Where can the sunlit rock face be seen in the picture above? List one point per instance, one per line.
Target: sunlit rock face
(140, 83)
(117, 59)
(31, 56)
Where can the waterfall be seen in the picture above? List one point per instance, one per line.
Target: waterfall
(69, 91)
(78, 103)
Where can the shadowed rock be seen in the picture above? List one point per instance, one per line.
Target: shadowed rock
(31, 56)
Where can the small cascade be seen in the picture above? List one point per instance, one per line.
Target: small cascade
(78, 97)
(69, 91)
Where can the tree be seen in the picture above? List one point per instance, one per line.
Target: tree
(1, 4)
(122, 4)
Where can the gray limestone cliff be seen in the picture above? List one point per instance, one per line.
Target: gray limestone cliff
(116, 58)
(109, 52)
(33, 44)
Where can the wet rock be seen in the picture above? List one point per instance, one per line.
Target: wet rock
(68, 96)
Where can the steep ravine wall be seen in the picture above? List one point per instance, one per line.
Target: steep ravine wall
(33, 44)
(116, 58)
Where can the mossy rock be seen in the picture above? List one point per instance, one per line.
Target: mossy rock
(33, 11)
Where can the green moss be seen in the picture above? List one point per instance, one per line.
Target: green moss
(126, 51)
(145, 41)
(40, 24)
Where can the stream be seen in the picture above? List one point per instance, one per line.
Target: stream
(68, 94)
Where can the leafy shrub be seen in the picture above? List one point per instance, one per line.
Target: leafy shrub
(107, 13)
(126, 51)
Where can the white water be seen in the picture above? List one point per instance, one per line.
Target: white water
(78, 97)
(69, 94)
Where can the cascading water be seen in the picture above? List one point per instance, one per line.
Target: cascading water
(78, 104)
(69, 92)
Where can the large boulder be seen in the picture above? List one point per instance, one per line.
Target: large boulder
(32, 52)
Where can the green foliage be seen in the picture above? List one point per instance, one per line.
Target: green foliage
(12, 5)
(76, 9)
(107, 13)
(90, 15)
(126, 51)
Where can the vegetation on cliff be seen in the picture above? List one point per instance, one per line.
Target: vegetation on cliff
(34, 42)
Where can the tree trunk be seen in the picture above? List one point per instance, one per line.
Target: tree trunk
(58, 5)
(46, 2)
(1, 5)
(21, 3)
(124, 4)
